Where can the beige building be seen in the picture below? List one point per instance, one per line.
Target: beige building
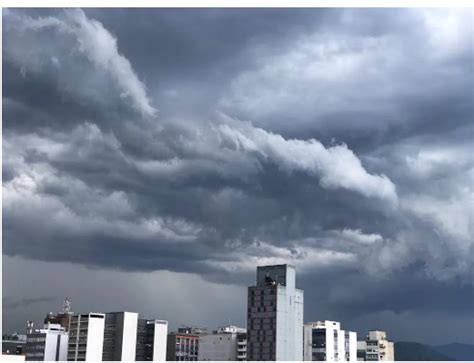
(227, 343)
(375, 347)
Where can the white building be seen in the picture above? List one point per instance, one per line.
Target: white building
(116, 336)
(275, 315)
(325, 341)
(377, 347)
(86, 337)
(120, 336)
(48, 344)
(227, 343)
(151, 340)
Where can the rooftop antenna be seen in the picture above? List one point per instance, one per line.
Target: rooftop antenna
(66, 306)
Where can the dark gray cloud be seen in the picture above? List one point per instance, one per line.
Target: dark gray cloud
(209, 141)
(10, 303)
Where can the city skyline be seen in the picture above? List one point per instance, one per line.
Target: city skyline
(152, 158)
(275, 331)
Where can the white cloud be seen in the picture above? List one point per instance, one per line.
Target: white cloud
(92, 40)
(78, 208)
(336, 166)
(347, 79)
(453, 216)
(229, 150)
(259, 253)
(101, 48)
(449, 31)
(432, 159)
(358, 236)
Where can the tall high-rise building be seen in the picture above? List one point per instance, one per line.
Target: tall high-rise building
(275, 315)
(225, 344)
(377, 347)
(48, 344)
(151, 340)
(325, 341)
(86, 337)
(120, 336)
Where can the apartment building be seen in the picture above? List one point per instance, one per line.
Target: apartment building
(275, 315)
(241, 346)
(86, 337)
(377, 347)
(326, 341)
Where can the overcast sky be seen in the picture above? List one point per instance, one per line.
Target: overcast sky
(153, 158)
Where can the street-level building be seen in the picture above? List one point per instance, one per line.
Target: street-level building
(326, 341)
(377, 347)
(48, 344)
(275, 315)
(86, 337)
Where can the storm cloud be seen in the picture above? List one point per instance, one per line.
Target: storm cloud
(205, 142)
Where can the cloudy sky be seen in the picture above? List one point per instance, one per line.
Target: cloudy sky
(153, 158)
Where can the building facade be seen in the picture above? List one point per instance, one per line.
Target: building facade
(325, 341)
(151, 340)
(48, 344)
(86, 337)
(241, 346)
(361, 350)
(13, 344)
(116, 336)
(227, 343)
(120, 336)
(275, 315)
(182, 347)
(377, 347)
